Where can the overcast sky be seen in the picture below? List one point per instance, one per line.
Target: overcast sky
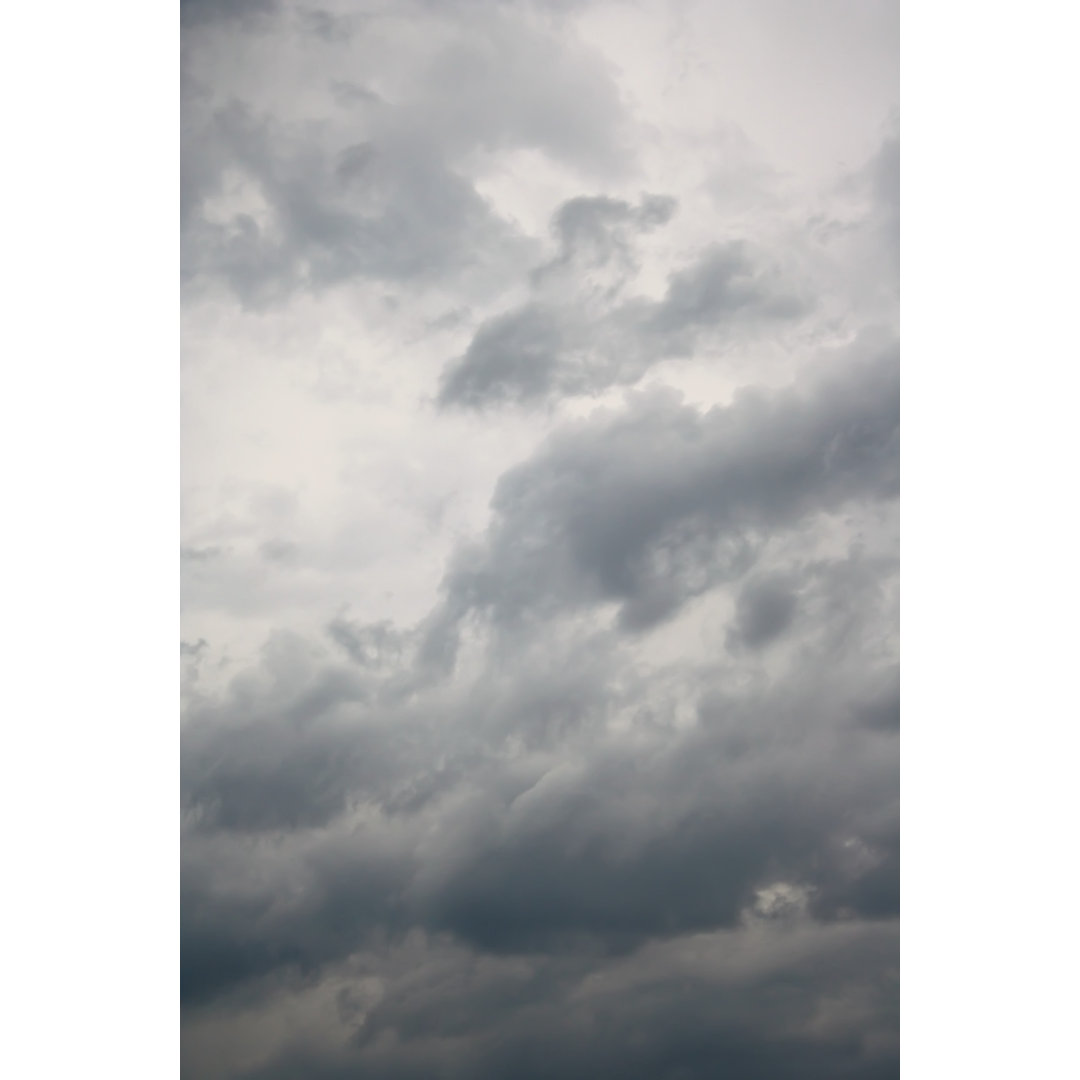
(540, 539)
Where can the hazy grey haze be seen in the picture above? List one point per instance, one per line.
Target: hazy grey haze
(540, 539)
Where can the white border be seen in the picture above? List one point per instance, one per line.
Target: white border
(89, 422)
(989, 194)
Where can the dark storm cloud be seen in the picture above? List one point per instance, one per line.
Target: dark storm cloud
(681, 1027)
(566, 345)
(291, 741)
(596, 871)
(607, 845)
(230, 941)
(276, 771)
(656, 505)
(587, 876)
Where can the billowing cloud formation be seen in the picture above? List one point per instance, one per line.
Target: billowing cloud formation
(540, 661)
(664, 501)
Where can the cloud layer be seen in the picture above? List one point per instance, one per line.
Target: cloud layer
(540, 662)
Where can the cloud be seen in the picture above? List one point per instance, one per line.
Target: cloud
(331, 808)
(764, 610)
(653, 506)
(583, 341)
(326, 25)
(700, 1004)
(515, 355)
(199, 554)
(540, 660)
(605, 856)
(724, 283)
(594, 231)
(881, 711)
(645, 509)
(310, 217)
(380, 190)
(198, 13)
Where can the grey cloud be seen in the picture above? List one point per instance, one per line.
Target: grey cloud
(860, 233)
(724, 284)
(557, 891)
(837, 592)
(885, 173)
(826, 601)
(503, 811)
(279, 749)
(381, 209)
(625, 801)
(597, 229)
(565, 346)
(763, 612)
(881, 711)
(631, 846)
(278, 772)
(351, 93)
(435, 990)
(516, 355)
(609, 844)
(659, 1016)
(518, 87)
(651, 508)
(230, 942)
(396, 203)
(876, 229)
(190, 553)
(326, 25)
(279, 551)
(366, 644)
(197, 13)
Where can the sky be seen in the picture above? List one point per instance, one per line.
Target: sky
(540, 539)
